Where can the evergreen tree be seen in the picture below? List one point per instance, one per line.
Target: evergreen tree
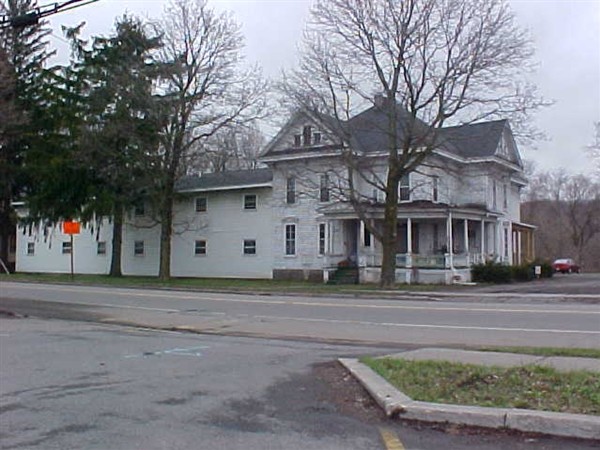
(23, 56)
(116, 76)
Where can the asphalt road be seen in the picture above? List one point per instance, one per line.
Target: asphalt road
(386, 322)
(75, 385)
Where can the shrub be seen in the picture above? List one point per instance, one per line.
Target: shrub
(547, 271)
(491, 272)
(523, 272)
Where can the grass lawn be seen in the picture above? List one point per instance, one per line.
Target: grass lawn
(212, 283)
(547, 351)
(527, 387)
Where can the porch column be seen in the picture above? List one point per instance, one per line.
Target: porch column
(329, 237)
(511, 245)
(520, 247)
(408, 251)
(483, 241)
(466, 234)
(449, 239)
(408, 236)
(499, 250)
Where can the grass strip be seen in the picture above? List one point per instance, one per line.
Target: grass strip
(211, 283)
(526, 387)
(547, 351)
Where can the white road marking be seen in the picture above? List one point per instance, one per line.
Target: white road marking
(203, 297)
(113, 305)
(411, 325)
(191, 351)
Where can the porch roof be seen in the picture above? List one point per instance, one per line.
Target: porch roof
(414, 210)
(523, 226)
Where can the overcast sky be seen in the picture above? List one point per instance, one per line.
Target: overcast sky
(566, 34)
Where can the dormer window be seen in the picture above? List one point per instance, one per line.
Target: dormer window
(404, 188)
(306, 135)
(435, 189)
(297, 140)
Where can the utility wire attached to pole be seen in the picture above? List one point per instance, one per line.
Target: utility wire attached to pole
(32, 17)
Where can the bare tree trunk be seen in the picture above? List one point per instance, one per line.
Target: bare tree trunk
(166, 220)
(117, 240)
(388, 242)
(390, 232)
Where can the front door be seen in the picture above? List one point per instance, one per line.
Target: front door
(351, 240)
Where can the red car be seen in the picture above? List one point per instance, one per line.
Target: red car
(565, 265)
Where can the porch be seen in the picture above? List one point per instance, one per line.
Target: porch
(433, 246)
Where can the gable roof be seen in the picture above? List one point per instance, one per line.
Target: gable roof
(367, 133)
(476, 139)
(368, 129)
(235, 179)
(328, 124)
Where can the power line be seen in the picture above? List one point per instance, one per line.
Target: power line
(32, 17)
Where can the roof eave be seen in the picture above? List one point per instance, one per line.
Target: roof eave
(225, 188)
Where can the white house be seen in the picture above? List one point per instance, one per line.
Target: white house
(290, 220)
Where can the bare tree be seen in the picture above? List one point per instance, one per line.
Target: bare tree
(566, 209)
(594, 149)
(432, 62)
(231, 148)
(582, 205)
(205, 90)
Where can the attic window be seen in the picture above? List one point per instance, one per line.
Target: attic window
(316, 138)
(306, 134)
(297, 140)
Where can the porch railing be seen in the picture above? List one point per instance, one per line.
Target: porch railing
(424, 261)
(429, 261)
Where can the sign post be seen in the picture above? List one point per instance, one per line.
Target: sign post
(71, 227)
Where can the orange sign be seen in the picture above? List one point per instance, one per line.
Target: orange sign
(71, 227)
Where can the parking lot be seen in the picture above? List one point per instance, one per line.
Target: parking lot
(573, 283)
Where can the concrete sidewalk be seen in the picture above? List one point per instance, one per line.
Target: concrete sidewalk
(397, 404)
(560, 363)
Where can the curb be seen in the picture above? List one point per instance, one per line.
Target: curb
(397, 404)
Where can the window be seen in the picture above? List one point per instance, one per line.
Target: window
(250, 201)
(494, 195)
(506, 243)
(435, 194)
(377, 195)
(138, 248)
(101, 248)
(306, 134)
(322, 238)
(324, 188)
(366, 236)
(249, 247)
(436, 237)
(405, 188)
(505, 196)
(66, 248)
(200, 247)
(31, 248)
(290, 197)
(316, 138)
(201, 204)
(139, 209)
(290, 239)
(297, 140)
